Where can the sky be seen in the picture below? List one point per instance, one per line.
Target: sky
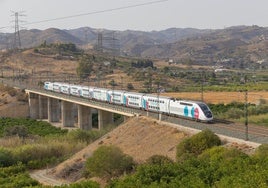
(143, 15)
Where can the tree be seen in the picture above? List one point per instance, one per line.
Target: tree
(85, 66)
(108, 162)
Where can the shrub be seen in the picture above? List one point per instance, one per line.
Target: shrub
(262, 151)
(197, 144)
(84, 136)
(108, 162)
(159, 160)
(18, 130)
(6, 158)
(235, 113)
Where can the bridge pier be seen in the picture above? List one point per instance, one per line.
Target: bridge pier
(84, 117)
(34, 105)
(67, 115)
(104, 118)
(53, 110)
(43, 107)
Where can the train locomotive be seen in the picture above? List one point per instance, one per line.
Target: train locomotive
(153, 103)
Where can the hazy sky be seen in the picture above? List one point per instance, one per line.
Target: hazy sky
(113, 14)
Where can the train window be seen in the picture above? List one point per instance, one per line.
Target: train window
(187, 104)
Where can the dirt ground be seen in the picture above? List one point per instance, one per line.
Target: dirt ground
(11, 107)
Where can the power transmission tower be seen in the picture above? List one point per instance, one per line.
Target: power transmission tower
(100, 41)
(17, 41)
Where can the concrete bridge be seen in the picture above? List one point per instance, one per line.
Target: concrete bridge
(71, 110)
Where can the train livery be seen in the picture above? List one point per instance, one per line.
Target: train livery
(182, 108)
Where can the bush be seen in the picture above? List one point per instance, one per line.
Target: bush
(108, 162)
(262, 151)
(6, 158)
(85, 136)
(235, 113)
(197, 144)
(159, 160)
(18, 130)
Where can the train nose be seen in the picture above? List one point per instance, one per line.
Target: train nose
(208, 114)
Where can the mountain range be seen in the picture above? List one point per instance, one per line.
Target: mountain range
(238, 43)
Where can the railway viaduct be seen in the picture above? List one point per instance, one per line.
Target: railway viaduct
(72, 111)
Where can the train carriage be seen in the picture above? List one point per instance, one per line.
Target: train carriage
(155, 103)
(115, 96)
(75, 90)
(190, 109)
(65, 88)
(48, 86)
(87, 92)
(132, 99)
(100, 94)
(57, 86)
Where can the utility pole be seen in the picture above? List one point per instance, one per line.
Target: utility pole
(202, 86)
(246, 110)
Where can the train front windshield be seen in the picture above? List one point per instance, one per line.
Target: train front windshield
(206, 110)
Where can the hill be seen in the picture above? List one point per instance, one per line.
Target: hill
(235, 45)
(139, 137)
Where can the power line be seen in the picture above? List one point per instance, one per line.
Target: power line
(94, 12)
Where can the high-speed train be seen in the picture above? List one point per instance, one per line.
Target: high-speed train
(154, 103)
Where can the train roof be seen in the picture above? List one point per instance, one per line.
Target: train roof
(160, 96)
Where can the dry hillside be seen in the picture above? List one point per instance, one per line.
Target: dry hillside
(13, 104)
(139, 137)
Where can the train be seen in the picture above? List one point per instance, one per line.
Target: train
(195, 110)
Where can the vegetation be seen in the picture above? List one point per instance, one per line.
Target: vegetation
(62, 49)
(22, 126)
(16, 176)
(84, 67)
(107, 162)
(213, 166)
(29, 144)
(198, 143)
(236, 111)
(201, 162)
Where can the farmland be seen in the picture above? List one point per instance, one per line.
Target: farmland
(221, 97)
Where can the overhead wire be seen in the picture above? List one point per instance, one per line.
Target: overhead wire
(91, 13)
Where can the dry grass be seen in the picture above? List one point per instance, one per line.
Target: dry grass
(221, 97)
(139, 137)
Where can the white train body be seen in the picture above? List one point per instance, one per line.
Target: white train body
(132, 99)
(115, 96)
(56, 87)
(87, 92)
(48, 86)
(161, 104)
(100, 94)
(190, 109)
(65, 88)
(75, 90)
(155, 103)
